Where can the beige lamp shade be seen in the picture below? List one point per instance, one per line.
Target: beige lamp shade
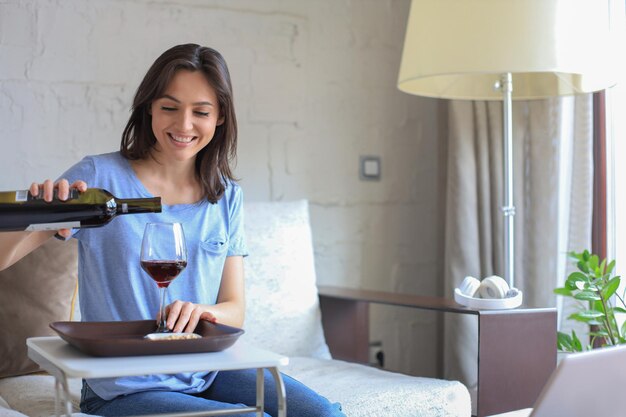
(459, 48)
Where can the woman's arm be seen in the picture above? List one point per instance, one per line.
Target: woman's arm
(230, 307)
(15, 245)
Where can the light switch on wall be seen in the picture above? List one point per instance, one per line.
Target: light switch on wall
(370, 168)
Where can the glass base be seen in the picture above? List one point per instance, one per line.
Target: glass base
(162, 328)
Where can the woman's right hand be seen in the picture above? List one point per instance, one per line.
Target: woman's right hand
(63, 188)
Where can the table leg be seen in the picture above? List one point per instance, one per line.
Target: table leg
(62, 395)
(67, 398)
(57, 397)
(280, 391)
(260, 392)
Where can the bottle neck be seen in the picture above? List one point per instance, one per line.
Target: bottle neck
(138, 205)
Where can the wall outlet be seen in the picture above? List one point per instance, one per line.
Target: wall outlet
(370, 168)
(376, 354)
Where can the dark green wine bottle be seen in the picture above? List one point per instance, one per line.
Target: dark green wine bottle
(19, 210)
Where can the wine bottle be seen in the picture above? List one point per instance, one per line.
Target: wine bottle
(19, 210)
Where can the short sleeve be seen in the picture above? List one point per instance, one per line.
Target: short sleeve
(237, 241)
(84, 170)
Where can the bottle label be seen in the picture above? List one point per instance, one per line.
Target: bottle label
(21, 196)
(51, 226)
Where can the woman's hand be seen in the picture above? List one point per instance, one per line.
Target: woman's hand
(184, 316)
(63, 188)
(228, 309)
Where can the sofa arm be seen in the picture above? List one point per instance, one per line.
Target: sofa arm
(516, 348)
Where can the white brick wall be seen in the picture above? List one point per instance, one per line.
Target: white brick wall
(315, 88)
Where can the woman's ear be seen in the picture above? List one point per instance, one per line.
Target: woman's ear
(220, 121)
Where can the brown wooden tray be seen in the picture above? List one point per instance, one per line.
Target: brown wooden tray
(126, 338)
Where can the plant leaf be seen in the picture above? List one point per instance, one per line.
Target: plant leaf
(619, 310)
(575, 255)
(567, 343)
(611, 287)
(574, 278)
(563, 342)
(586, 315)
(583, 267)
(594, 262)
(603, 266)
(598, 306)
(565, 292)
(609, 268)
(587, 296)
(576, 342)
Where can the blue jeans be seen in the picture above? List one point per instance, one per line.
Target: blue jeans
(230, 389)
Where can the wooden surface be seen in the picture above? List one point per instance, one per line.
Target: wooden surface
(516, 356)
(406, 300)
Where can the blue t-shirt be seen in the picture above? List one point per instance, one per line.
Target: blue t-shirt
(114, 287)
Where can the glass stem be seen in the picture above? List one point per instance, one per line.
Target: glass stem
(163, 319)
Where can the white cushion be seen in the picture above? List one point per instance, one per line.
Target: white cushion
(370, 392)
(282, 308)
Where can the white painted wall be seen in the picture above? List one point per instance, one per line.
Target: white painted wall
(315, 88)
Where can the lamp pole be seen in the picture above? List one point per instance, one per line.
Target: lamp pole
(508, 209)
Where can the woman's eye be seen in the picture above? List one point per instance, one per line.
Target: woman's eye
(165, 108)
(203, 114)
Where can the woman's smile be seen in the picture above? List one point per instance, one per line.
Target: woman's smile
(181, 139)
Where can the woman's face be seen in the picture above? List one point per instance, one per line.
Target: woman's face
(185, 118)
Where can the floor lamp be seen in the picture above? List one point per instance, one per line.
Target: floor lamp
(507, 50)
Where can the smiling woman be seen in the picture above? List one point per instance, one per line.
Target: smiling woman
(177, 144)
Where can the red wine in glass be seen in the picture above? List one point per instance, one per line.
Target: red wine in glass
(163, 257)
(163, 272)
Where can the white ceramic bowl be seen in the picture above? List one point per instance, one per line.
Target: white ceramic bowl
(513, 300)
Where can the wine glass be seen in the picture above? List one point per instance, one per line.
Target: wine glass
(163, 257)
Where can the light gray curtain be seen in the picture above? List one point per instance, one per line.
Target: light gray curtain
(553, 177)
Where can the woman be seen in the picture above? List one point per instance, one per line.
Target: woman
(177, 144)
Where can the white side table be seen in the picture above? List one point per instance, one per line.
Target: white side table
(63, 361)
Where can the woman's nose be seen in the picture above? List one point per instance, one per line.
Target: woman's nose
(185, 120)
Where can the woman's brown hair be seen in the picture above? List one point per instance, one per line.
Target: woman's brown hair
(212, 162)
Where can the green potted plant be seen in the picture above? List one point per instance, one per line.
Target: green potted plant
(596, 288)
